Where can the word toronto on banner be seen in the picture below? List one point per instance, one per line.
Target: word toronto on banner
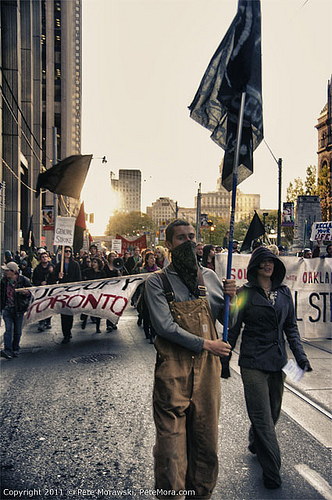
(105, 298)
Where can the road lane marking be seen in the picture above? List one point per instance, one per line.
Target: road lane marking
(315, 480)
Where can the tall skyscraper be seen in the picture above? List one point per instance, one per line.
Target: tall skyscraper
(41, 90)
(127, 190)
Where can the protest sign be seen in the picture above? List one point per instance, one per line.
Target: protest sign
(117, 246)
(105, 298)
(321, 231)
(310, 281)
(64, 231)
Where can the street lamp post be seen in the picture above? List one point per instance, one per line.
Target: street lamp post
(265, 214)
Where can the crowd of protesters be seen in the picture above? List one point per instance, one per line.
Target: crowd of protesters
(43, 267)
(184, 284)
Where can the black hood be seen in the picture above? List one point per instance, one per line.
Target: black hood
(260, 254)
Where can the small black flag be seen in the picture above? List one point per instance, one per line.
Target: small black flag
(234, 68)
(66, 177)
(255, 230)
(29, 239)
(80, 227)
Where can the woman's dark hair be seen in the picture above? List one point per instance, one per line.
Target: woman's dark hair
(171, 227)
(146, 257)
(99, 262)
(206, 252)
(109, 256)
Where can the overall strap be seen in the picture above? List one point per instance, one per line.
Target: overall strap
(201, 285)
(167, 287)
(169, 291)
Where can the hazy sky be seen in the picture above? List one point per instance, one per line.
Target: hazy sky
(143, 61)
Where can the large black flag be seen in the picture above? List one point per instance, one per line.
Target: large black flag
(66, 177)
(255, 230)
(234, 68)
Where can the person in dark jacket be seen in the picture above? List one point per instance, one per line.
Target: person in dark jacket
(71, 273)
(208, 259)
(267, 312)
(13, 306)
(43, 274)
(95, 272)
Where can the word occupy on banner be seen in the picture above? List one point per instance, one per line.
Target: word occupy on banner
(105, 298)
(310, 281)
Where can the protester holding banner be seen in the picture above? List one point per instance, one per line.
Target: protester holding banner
(95, 272)
(150, 266)
(13, 306)
(43, 274)
(71, 272)
(267, 312)
(134, 262)
(186, 395)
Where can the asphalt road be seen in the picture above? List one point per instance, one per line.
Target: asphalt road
(77, 423)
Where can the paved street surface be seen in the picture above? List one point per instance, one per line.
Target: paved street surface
(77, 422)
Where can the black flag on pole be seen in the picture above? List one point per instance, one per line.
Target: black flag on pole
(255, 230)
(234, 68)
(29, 239)
(80, 227)
(66, 177)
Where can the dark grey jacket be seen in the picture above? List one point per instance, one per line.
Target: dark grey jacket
(264, 325)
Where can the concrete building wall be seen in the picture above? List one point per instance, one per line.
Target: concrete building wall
(38, 38)
(127, 190)
(11, 120)
(308, 210)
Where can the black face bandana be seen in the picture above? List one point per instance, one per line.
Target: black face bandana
(185, 264)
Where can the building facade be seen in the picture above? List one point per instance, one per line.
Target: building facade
(127, 190)
(324, 128)
(40, 113)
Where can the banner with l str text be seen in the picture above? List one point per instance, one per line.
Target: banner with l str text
(310, 281)
(104, 298)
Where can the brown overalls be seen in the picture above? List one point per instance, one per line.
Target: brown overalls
(186, 401)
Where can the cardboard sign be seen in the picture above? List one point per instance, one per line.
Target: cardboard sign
(117, 246)
(321, 231)
(64, 231)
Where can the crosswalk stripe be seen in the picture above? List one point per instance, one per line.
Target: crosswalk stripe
(316, 480)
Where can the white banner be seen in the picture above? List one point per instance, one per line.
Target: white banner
(105, 298)
(310, 281)
(321, 231)
(64, 231)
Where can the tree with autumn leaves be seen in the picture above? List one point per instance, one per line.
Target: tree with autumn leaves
(313, 186)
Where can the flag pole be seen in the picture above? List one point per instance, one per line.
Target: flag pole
(198, 215)
(231, 228)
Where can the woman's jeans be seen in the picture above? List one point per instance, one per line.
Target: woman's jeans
(13, 323)
(263, 393)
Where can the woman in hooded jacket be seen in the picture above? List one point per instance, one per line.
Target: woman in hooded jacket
(266, 312)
